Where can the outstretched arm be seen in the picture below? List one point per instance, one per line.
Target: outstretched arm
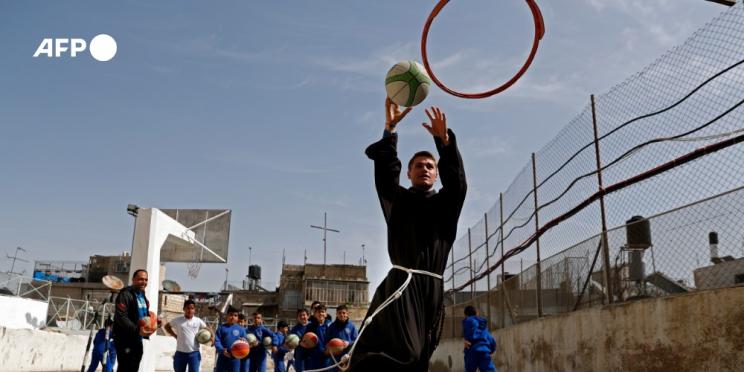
(438, 126)
(451, 169)
(385, 155)
(393, 115)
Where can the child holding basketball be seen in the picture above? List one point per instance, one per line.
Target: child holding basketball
(226, 335)
(257, 356)
(298, 357)
(279, 349)
(342, 329)
(315, 355)
(184, 329)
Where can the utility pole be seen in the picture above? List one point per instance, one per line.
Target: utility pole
(325, 230)
(15, 258)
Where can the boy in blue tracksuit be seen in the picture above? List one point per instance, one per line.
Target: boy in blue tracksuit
(99, 348)
(299, 329)
(479, 344)
(243, 322)
(316, 357)
(342, 329)
(226, 334)
(257, 356)
(278, 349)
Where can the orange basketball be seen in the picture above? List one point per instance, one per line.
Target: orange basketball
(309, 340)
(336, 346)
(149, 324)
(240, 349)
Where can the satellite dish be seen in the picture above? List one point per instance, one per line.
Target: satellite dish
(171, 286)
(112, 282)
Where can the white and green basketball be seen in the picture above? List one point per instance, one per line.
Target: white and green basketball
(203, 336)
(407, 83)
(292, 340)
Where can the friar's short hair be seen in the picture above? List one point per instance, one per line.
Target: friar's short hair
(421, 154)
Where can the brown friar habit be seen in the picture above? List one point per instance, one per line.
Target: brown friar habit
(422, 226)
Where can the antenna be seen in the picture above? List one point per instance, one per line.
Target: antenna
(15, 258)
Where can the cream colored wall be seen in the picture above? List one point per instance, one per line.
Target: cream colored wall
(702, 331)
(38, 350)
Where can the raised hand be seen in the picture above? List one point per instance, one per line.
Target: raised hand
(393, 115)
(438, 126)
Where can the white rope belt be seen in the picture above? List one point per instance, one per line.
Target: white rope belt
(345, 361)
(414, 271)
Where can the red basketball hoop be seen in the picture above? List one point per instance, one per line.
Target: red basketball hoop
(539, 32)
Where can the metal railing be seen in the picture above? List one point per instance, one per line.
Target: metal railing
(77, 314)
(21, 286)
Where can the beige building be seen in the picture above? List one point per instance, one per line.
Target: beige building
(332, 285)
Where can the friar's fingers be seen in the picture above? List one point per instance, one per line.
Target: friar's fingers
(428, 128)
(388, 109)
(400, 115)
(429, 115)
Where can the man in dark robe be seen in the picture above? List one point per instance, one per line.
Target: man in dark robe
(422, 225)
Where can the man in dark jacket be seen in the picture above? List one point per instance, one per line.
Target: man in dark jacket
(131, 306)
(479, 344)
(422, 226)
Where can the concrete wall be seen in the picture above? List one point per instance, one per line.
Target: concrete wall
(17, 312)
(702, 331)
(37, 350)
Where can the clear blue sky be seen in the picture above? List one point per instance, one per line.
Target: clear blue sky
(265, 108)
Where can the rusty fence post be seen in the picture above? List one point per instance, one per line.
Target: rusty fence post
(605, 246)
(537, 240)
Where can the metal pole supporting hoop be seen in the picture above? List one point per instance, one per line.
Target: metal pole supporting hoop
(539, 33)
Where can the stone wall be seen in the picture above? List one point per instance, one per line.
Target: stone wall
(701, 331)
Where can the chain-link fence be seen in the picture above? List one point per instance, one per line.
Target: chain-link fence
(664, 143)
